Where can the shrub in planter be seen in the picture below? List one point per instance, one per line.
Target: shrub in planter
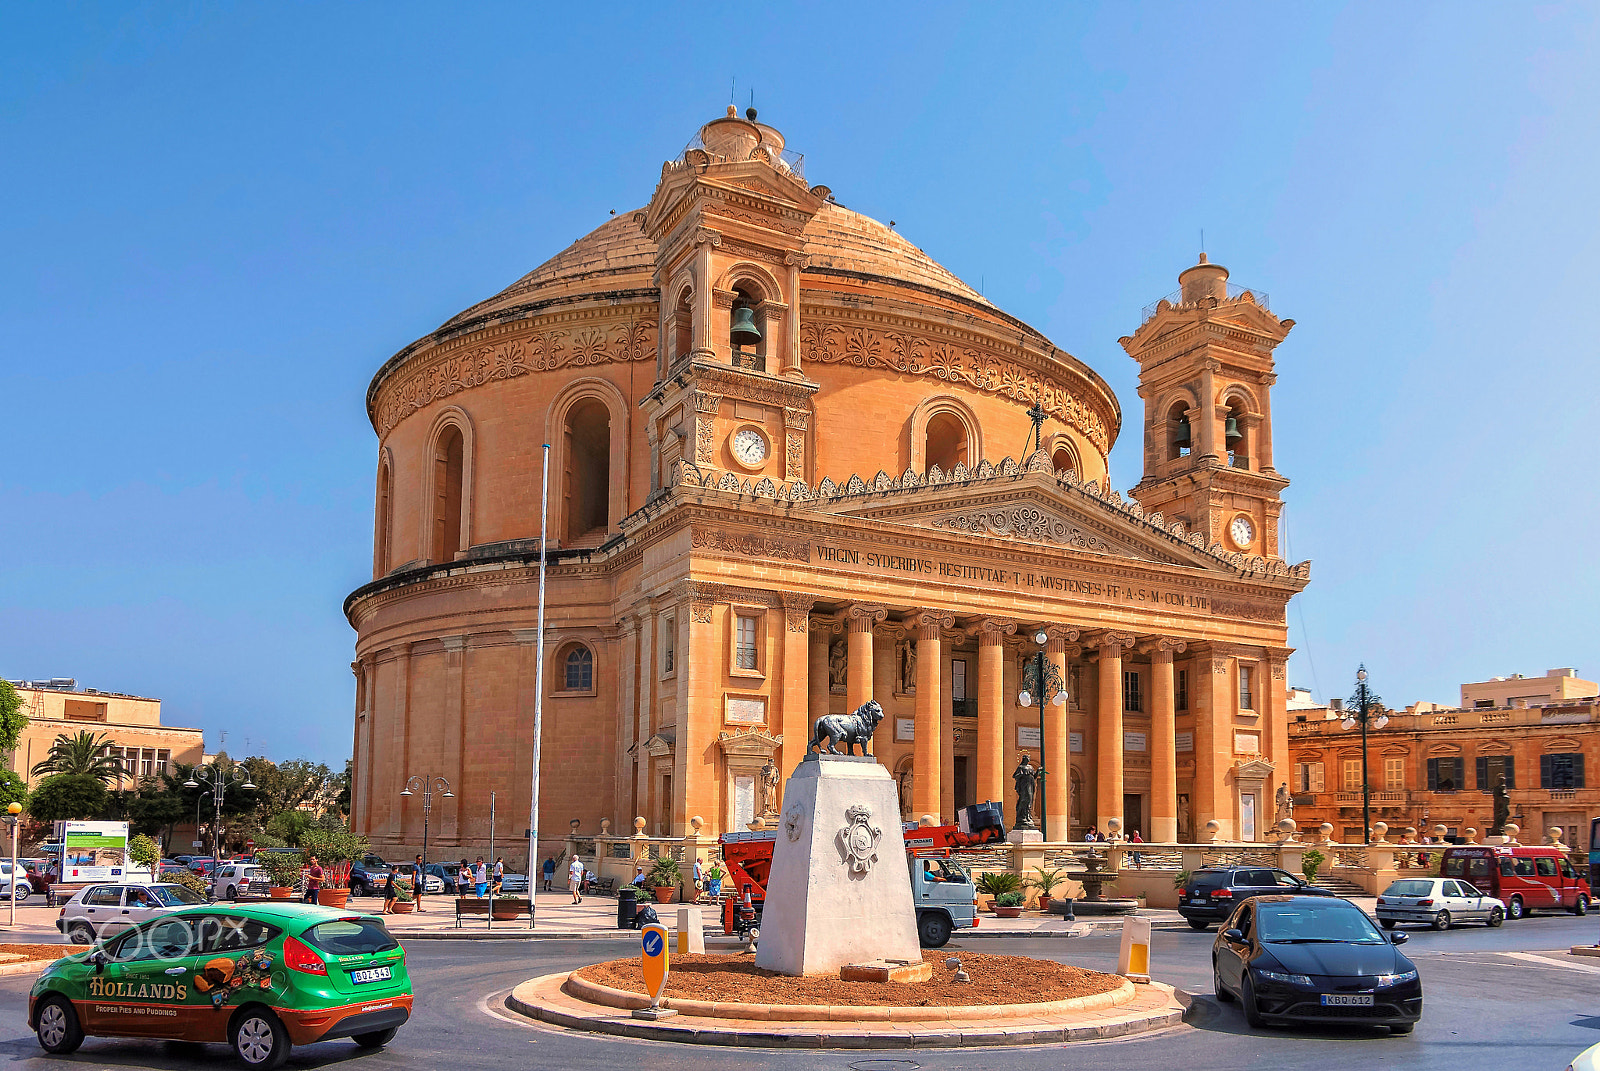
(997, 883)
(1310, 863)
(284, 870)
(664, 877)
(1008, 905)
(1046, 883)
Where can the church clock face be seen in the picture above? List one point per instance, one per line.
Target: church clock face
(749, 447)
(1242, 532)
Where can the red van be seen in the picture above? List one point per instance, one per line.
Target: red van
(1525, 878)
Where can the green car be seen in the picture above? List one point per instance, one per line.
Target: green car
(261, 977)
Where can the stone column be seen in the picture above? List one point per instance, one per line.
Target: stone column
(698, 657)
(1263, 445)
(1213, 742)
(818, 681)
(926, 767)
(1109, 728)
(1206, 413)
(859, 620)
(791, 317)
(1163, 741)
(991, 773)
(1274, 703)
(628, 681)
(704, 344)
(452, 749)
(795, 723)
(1055, 758)
(396, 763)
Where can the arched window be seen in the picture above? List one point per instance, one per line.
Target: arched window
(1236, 435)
(1180, 432)
(577, 669)
(385, 521)
(946, 442)
(682, 327)
(587, 480)
(1064, 458)
(746, 352)
(448, 460)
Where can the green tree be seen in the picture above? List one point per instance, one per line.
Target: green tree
(67, 797)
(291, 827)
(13, 789)
(81, 754)
(287, 786)
(144, 852)
(12, 719)
(345, 780)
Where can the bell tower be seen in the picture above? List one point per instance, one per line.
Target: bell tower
(1206, 375)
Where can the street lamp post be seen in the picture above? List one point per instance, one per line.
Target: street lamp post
(1363, 716)
(1049, 687)
(13, 811)
(217, 779)
(427, 785)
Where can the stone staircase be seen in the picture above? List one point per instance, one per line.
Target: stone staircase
(1343, 886)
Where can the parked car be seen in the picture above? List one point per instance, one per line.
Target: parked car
(514, 883)
(1523, 877)
(1314, 958)
(96, 912)
(1438, 902)
(182, 860)
(1211, 894)
(260, 977)
(37, 871)
(367, 875)
(446, 876)
(234, 880)
(202, 865)
(21, 889)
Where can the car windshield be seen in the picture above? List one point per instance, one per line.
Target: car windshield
(176, 895)
(1306, 922)
(1410, 888)
(351, 937)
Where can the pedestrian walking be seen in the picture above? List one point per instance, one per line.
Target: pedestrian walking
(464, 880)
(575, 879)
(314, 878)
(714, 875)
(1136, 839)
(480, 876)
(419, 879)
(549, 872)
(699, 879)
(390, 892)
(499, 873)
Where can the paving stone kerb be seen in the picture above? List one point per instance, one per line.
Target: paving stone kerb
(1154, 1006)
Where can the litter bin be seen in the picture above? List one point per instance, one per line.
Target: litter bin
(627, 906)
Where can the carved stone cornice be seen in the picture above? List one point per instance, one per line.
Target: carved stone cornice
(706, 402)
(797, 610)
(860, 617)
(749, 743)
(750, 546)
(707, 236)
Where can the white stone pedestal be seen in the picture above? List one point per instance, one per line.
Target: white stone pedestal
(1025, 836)
(838, 891)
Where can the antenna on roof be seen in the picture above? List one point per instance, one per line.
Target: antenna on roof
(732, 82)
(1202, 239)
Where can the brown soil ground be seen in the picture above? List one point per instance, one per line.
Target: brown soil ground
(995, 980)
(38, 951)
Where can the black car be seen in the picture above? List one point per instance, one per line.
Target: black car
(368, 875)
(1316, 959)
(1211, 894)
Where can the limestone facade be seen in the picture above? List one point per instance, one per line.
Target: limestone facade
(749, 532)
(131, 723)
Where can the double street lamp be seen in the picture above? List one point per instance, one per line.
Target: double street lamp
(1042, 680)
(217, 779)
(427, 785)
(1364, 714)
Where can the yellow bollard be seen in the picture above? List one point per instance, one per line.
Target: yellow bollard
(1133, 961)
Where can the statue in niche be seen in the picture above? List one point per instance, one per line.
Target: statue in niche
(1502, 808)
(1026, 778)
(1285, 804)
(838, 661)
(908, 667)
(767, 782)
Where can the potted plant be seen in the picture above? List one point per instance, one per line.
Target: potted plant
(1008, 905)
(336, 851)
(405, 901)
(284, 869)
(1046, 882)
(664, 877)
(997, 883)
(505, 906)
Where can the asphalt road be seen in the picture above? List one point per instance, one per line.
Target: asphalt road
(1489, 1004)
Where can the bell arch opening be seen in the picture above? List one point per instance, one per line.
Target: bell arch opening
(1179, 433)
(946, 442)
(587, 481)
(449, 459)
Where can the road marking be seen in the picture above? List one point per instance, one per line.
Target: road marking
(1534, 957)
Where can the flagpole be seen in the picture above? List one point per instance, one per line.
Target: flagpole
(538, 692)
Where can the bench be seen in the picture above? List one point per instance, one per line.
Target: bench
(608, 886)
(515, 907)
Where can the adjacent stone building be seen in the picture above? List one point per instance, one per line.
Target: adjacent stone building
(131, 724)
(796, 466)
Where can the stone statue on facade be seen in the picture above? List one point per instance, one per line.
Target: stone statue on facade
(838, 661)
(769, 788)
(1026, 778)
(908, 667)
(1285, 804)
(1502, 808)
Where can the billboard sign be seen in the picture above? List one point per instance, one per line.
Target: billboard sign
(94, 851)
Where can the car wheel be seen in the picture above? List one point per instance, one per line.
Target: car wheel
(21, 893)
(1387, 924)
(1199, 924)
(233, 892)
(58, 1027)
(259, 1039)
(1247, 1001)
(1441, 921)
(1402, 1028)
(933, 930)
(1514, 910)
(1579, 908)
(80, 933)
(1223, 996)
(377, 1039)
(1497, 917)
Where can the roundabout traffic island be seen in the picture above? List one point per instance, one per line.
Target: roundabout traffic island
(728, 1000)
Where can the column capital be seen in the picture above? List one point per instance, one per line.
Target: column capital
(1109, 638)
(701, 597)
(797, 610)
(930, 623)
(993, 630)
(1058, 637)
(1161, 648)
(454, 643)
(823, 627)
(860, 617)
(355, 667)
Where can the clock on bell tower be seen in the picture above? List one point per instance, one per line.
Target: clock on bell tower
(1206, 373)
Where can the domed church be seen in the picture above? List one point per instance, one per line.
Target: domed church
(795, 466)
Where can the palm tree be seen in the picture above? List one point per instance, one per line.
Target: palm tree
(81, 753)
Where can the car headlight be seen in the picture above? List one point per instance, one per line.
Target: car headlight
(1286, 979)
(1396, 979)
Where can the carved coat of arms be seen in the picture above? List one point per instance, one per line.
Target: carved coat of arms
(859, 838)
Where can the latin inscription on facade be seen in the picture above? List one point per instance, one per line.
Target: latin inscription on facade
(747, 711)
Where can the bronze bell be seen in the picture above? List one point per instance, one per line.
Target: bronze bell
(745, 332)
(1182, 438)
(1230, 433)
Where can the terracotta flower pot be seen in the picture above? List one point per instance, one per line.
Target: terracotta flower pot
(404, 907)
(1008, 912)
(280, 892)
(333, 897)
(664, 894)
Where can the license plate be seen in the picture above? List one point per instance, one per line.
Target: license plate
(382, 974)
(1347, 1000)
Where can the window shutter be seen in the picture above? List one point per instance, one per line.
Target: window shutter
(1433, 775)
(1577, 770)
(1511, 771)
(1483, 773)
(1316, 777)
(1544, 771)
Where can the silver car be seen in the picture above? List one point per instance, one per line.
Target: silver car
(234, 880)
(96, 912)
(1438, 902)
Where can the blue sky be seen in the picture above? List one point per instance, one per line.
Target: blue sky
(219, 220)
